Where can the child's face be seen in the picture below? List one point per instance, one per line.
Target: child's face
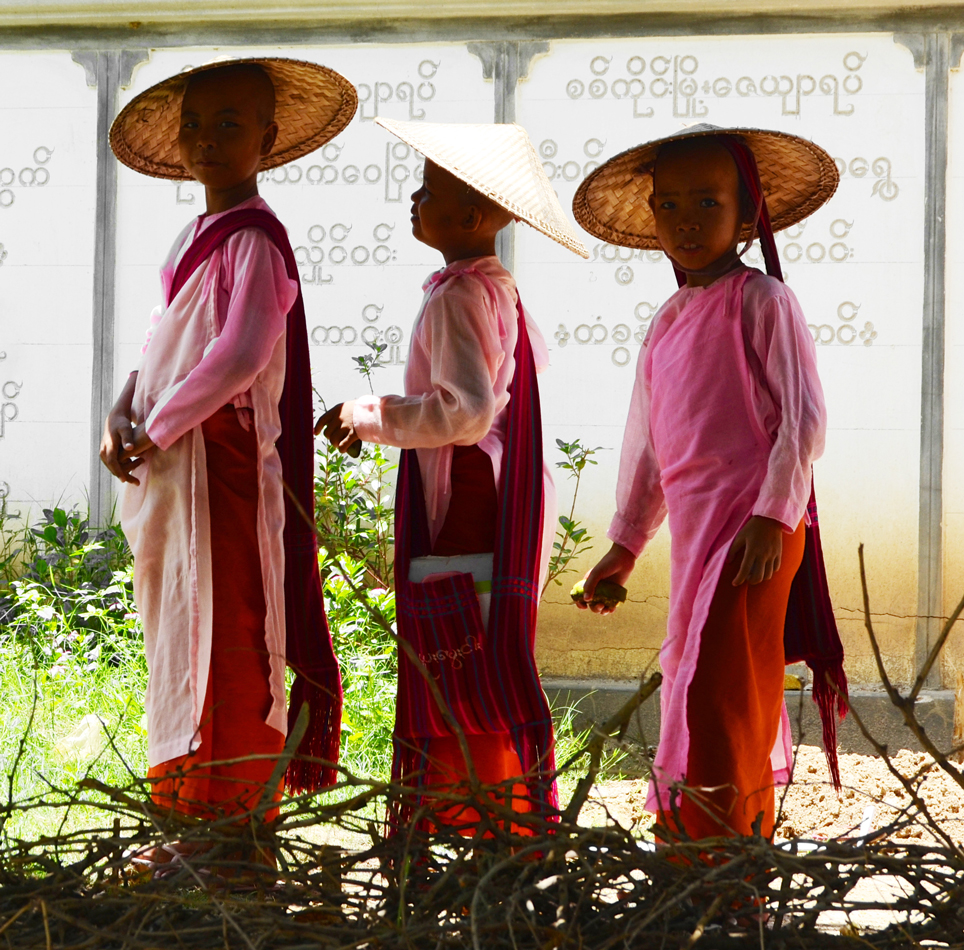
(697, 205)
(226, 128)
(438, 208)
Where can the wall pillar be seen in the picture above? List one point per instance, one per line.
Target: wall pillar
(108, 71)
(506, 62)
(936, 54)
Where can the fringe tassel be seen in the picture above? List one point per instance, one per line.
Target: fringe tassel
(832, 705)
(535, 747)
(407, 761)
(322, 739)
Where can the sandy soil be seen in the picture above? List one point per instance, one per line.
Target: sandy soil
(871, 798)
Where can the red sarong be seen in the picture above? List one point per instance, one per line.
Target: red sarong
(734, 704)
(238, 694)
(469, 526)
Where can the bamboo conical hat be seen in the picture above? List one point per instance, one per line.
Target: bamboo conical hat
(613, 201)
(312, 105)
(498, 161)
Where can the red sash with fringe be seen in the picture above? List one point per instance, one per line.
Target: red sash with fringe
(810, 636)
(488, 677)
(308, 645)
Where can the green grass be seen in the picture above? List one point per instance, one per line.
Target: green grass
(71, 656)
(44, 708)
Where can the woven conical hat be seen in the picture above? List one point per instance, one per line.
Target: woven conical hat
(613, 202)
(312, 105)
(498, 161)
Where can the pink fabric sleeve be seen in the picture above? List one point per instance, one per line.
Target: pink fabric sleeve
(459, 332)
(782, 342)
(640, 507)
(260, 297)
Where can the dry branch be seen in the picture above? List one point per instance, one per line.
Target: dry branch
(506, 881)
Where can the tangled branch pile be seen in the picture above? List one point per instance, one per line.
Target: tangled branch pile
(324, 874)
(517, 882)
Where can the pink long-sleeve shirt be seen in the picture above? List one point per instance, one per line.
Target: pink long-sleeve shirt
(787, 402)
(253, 297)
(460, 365)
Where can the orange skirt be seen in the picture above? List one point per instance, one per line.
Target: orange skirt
(495, 761)
(238, 695)
(734, 704)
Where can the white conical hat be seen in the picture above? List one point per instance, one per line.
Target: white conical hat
(498, 161)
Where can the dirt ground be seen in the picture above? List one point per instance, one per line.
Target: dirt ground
(871, 797)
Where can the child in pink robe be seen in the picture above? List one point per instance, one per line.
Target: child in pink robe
(204, 434)
(726, 419)
(470, 419)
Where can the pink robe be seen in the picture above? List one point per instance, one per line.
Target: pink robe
(726, 419)
(221, 340)
(457, 377)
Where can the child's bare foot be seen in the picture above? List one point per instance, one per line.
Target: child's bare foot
(164, 857)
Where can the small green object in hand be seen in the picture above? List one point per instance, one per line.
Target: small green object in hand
(354, 450)
(607, 593)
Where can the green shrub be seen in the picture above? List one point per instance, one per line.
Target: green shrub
(73, 599)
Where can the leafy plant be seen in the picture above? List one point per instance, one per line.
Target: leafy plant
(369, 664)
(573, 540)
(354, 512)
(74, 595)
(353, 509)
(367, 363)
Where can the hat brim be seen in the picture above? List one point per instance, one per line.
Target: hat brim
(612, 203)
(494, 168)
(312, 105)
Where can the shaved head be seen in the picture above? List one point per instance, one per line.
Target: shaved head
(709, 149)
(247, 79)
(492, 210)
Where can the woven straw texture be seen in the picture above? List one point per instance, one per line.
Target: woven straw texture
(312, 105)
(613, 202)
(498, 161)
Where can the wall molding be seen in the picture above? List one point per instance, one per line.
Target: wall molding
(107, 71)
(188, 31)
(505, 63)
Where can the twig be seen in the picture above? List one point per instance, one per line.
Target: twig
(906, 705)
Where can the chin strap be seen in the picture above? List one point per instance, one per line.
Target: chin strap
(750, 176)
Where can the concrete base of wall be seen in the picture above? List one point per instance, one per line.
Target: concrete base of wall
(594, 701)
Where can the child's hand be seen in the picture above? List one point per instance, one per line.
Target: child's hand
(338, 426)
(115, 445)
(134, 444)
(141, 443)
(616, 565)
(761, 541)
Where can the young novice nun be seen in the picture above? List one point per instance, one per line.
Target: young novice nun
(726, 419)
(207, 432)
(475, 502)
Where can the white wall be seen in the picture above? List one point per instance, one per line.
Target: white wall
(856, 265)
(47, 169)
